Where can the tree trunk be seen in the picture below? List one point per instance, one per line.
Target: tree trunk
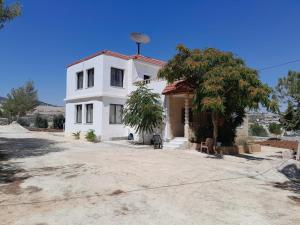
(215, 126)
(143, 138)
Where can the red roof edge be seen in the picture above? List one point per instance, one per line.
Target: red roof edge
(118, 55)
(178, 87)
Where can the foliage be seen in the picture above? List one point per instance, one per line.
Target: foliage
(40, 122)
(143, 110)
(7, 13)
(23, 122)
(91, 136)
(76, 135)
(275, 128)
(58, 121)
(223, 85)
(20, 101)
(288, 89)
(258, 130)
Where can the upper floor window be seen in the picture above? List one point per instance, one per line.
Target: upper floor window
(80, 80)
(89, 113)
(116, 77)
(90, 78)
(115, 114)
(78, 113)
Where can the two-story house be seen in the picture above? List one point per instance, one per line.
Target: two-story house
(97, 89)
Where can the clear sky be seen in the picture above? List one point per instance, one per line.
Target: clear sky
(53, 33)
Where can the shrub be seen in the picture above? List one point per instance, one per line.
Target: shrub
(90, 136)
(76, 135)
(23, 122)
(58, 121)
(40, 122)
(258, 130)
(275, 128)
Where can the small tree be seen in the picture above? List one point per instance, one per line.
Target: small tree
(143, 110)
(58, 121)
(275, 128)
(8, 13)
(20, 101)
(258, 130)
(40, 122)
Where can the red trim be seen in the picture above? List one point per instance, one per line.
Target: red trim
(178, 87)
(118, 55)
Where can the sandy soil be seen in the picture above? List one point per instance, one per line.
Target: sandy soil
(47, 179)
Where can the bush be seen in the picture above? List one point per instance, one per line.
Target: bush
(275, 128)
(90, 136)
(258, 130)
(58, 121)
(76, 135)
(23, 122)
(40, 122)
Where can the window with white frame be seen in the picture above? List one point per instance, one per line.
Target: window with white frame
(115, 113)
(90, 78)
(116, 77)
(89, 113)
(80, 80)
(78, 113)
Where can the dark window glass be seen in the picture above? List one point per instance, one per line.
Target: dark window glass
(89, 113)
(80, 80)
(146, 77)
(78, 113)
(115, 114)
(90, 74)
(116, 77)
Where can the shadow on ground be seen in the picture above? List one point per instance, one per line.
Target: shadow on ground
(292, 172)
(13, 148)
(247, 157)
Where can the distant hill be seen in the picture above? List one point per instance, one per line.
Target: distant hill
(40, 103)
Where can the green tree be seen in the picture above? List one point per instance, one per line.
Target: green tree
(275, 128)
(7, 13)
(223, 85)
(288, 90)
(143, 110)
(40, 122)
(58, 121)
(258, 130)
(20, 101)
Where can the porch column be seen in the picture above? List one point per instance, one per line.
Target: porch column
(168, 134)
(186, 116)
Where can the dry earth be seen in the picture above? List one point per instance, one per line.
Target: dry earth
(47, 179)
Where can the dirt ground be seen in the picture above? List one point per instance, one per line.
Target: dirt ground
(47, 179)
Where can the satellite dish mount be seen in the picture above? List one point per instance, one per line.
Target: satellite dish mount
(139, 38)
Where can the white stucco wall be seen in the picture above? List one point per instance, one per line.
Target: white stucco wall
(103, 94)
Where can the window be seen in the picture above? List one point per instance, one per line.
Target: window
(89, 113)
(146, 77)
(115, 114)
(78, 113)
(90, 78)
(116, 77)
(80, 80)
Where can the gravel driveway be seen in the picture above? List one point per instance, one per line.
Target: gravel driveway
(49, 179)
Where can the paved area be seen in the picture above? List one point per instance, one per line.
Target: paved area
(47, 179)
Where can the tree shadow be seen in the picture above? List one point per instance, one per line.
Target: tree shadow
(292, 172)
(14, 148)
(249, 157)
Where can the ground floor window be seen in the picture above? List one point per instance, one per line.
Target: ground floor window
(115, 114)
(89, 113)
(78, 113)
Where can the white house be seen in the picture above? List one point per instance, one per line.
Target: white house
(97, 88)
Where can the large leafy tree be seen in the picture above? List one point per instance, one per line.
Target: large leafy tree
(288, 89)
(223, 85)
(143, 110)
(7, 13)
(20, 101)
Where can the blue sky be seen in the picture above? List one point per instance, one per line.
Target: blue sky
(53, 33)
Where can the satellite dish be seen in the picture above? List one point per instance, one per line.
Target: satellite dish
(139, 38)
